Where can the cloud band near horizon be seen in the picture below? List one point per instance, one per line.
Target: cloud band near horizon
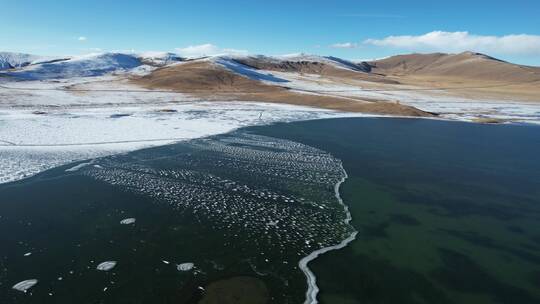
(207, 49)
(515, 44)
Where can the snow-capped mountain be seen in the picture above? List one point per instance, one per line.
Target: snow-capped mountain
(80, 66)
(24, 66)
(10, 60)
(41, 68)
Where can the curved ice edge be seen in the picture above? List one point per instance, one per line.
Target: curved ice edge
(313, 289)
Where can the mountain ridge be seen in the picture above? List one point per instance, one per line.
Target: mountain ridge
(466, 64)
(467, 74)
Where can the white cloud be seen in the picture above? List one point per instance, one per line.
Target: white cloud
(81, 38)
(124, 51)
(207, 49)
(520, 44)
(345, 45)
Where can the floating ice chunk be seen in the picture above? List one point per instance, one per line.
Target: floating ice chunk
(78, 167)
(25, 285)
(128, 221)
(106, 266)
(165, 262)
(27, 254)
(185, 266)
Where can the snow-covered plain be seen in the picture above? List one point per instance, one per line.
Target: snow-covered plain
(48, 127)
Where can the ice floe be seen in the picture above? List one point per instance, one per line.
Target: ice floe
(185, 266)
(25, 285)
(106, 266)
(79, 166)
(128, 221)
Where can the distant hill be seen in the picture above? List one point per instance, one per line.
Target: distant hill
(225, 78)
(467, 65)
(26, 66)
(325, 81)
(81, 66)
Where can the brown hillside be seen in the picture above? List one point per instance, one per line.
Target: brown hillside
(467, 65)
(213, 82)
(201, 76)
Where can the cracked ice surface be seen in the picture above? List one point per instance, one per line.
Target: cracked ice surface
(276, 193)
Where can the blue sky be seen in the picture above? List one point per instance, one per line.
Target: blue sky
(351, 29)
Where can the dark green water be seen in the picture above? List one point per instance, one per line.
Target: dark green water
(447, 212)
(233, 205)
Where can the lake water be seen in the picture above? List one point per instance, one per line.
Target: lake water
(446, 212)
(162, 225)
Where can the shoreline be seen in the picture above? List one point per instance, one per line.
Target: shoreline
(125, 146)
(66, 146)
(313, 289)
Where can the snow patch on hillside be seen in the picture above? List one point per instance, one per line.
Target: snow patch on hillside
(330, 60)
(236, 67)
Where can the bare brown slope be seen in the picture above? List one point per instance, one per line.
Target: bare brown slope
(465, 65)
(201, 76)
(213, 82)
